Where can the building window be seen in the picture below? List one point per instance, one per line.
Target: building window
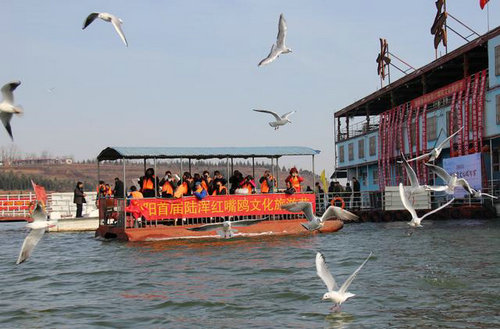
(497, 60)
(432, 128)
(498, 109)
(361, 148)
(375, 176)
(373, 145)
(351, 151)
(341, 153)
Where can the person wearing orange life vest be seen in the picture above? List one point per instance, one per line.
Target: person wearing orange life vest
(294, 179)
(267, 182)
(249, 184)
(199, 192)
(168, 184)
(109, 191)
(207, 181)
(185, 188)
(134, 194)
(101, 190)
(148, 183)
(219, 188)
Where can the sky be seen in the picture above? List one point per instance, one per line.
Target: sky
(189, 76)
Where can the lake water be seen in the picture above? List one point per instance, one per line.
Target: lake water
(445, 275)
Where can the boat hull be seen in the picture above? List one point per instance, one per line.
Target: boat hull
(271, 227)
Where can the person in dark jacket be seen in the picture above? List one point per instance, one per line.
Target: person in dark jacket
(79, 199)
(235, 181)
(118, 190)
(149, 183)
(356, 193)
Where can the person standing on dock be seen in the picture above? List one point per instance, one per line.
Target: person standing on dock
(267, 182)
(79, 199)
(356, 193)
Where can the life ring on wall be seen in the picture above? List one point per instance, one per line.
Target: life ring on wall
(337, 198)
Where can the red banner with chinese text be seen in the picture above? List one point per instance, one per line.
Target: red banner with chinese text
(222, 205)
(439, 93)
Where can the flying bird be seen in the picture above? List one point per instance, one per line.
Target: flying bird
(451, 181)
(7, 107)
(117, 23)
(434, 154)
(336, 295)
(316, 223)
(225, 229)
(415, 186)
(280, 47)
(415, 220)
(38, 226)
(280, 120)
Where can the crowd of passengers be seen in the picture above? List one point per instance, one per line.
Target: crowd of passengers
(200, 186)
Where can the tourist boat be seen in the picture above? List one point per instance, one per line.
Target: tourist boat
(170, 219)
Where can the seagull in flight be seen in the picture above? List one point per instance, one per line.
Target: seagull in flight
(38, 227)
(451, 181)
(415, 186)
(316, 223)
(280, 120)
(117, 23)
(225, 229)
(7, 107)
(434, 154)
(415, 220)
(280, 47)
(336, 295)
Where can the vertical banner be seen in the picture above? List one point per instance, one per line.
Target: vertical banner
(380, 130)
(466, 129)
(417, 141)
(473, 107)
(424, 142)
(451, 123)
(466, 166)
(401, 143)
(408, 131)
(460, 122)
(480, 110)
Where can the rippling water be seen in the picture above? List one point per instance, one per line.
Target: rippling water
(445, 275)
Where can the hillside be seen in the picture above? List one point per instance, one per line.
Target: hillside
(63, 177)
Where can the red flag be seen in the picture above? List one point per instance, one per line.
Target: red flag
(41, 195)
(483, 3)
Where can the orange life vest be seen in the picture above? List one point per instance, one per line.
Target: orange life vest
(167, 188)
(295, 181)
(147, 184)
(264, 187)
(204, 185)
(136, 195)
(181, 190)
(248, 186)
(221, 191)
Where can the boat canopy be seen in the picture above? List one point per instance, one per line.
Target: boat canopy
(115, 153)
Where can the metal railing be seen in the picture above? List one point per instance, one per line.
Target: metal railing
(358, 129)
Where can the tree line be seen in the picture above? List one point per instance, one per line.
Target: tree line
(12, 181)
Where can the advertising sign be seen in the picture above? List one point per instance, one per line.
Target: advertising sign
(467, 167)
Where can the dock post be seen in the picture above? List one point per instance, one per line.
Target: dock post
(277, 175)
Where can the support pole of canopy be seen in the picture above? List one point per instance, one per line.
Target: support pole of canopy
(314, 173)
(98, 172)
(144, 166)
(272, 166)
(182, 173)
(124, 195)
(232, 166)
(253, 167)
(227, 169)
(277, 175)
(189, 165)
(154, 179)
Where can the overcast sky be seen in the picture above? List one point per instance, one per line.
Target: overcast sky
(189, 76)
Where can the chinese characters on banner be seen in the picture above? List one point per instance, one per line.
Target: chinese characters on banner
(213, 206)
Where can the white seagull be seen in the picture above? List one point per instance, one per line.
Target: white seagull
(415, 186)
(434, 154)
(38, 226)
(280, 120)
(336, 295)
(280, 47)
(117, 23)
(224, 229)
(316, 223)
(7, 107)
(415, 220)
(451, 181)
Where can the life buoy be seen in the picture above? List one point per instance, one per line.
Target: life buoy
(337, 198)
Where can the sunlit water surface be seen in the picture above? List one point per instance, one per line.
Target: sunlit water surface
(445, 275)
